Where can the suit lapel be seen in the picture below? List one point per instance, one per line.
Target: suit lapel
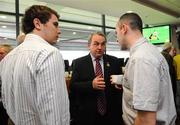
(106, 66)
(90, 66)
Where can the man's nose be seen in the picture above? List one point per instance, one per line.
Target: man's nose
(59, 30)
(99, 46)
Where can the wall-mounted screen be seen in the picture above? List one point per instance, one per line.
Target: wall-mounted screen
(158, 34)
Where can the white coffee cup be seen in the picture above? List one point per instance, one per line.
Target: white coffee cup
(117, 79)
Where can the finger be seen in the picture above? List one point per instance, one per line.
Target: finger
(111, 80)
(101, 89)
(118, 87)
(101, 86)
(100, 79)
(112, 83)
(99, 76)
(100, 83)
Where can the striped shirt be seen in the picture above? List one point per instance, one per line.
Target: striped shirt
(33, 84)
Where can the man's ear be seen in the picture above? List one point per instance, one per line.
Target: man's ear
(124, 28)
(88, 45)
(37, 23)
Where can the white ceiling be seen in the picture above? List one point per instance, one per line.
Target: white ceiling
(116, 8)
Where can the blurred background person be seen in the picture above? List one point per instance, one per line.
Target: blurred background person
(169, 52)
(177, 61)
(93, 100)
(33, 84)
(20, 38)
(4, 50)
(147, 90)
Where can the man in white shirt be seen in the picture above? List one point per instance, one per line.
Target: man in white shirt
(33, 84)
(147, 90)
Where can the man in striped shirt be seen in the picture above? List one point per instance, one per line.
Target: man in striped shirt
(33, 85)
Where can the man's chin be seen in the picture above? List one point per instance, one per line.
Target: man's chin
(124, 48)
(53, 42)
(99, 55)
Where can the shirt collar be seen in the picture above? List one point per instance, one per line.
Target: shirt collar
(33, 37)
(138, 43)
(94, 59)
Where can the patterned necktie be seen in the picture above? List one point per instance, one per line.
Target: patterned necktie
(101, 99)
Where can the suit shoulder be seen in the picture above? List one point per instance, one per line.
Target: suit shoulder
(81, 59)
(110, 57)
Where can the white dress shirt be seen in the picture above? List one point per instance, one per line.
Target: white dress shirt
(147, 85)
(33, 84)
(101, 61)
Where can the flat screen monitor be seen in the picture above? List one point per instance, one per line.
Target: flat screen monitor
(158, 34)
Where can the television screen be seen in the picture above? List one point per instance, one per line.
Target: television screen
(157, 35)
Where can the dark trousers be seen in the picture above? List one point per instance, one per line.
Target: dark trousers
(3, 115)
(100, 120)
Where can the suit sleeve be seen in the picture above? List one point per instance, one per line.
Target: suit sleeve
(77, 87)
(76, 83)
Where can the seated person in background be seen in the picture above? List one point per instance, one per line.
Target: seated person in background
(4, 50)
(93, 100)
(169, 52)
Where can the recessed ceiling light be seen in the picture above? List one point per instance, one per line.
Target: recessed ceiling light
(74, 33)
(130, 11)
(3, 17)
(4, 26)
(42, 3)
(90, 27)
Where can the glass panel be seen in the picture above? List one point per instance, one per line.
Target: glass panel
(80, 16)
(113, 48)
(75, 36)
(7, 30)
(66, 13)
(10, 4)
(111, 21)
(74, 40)
(24, 4)
(112, 43)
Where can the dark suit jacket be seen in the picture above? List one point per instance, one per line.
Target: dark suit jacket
(83, 97)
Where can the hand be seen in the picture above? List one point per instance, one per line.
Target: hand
(111, 80)
(115, 84)
(118, 87)
(98, 83)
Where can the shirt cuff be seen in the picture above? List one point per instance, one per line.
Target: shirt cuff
(145, 106)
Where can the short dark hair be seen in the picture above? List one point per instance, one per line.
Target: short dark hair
(43, 13)
(134, 19)
(96, 33)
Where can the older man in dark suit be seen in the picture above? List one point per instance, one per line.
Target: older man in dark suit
(93, 99)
